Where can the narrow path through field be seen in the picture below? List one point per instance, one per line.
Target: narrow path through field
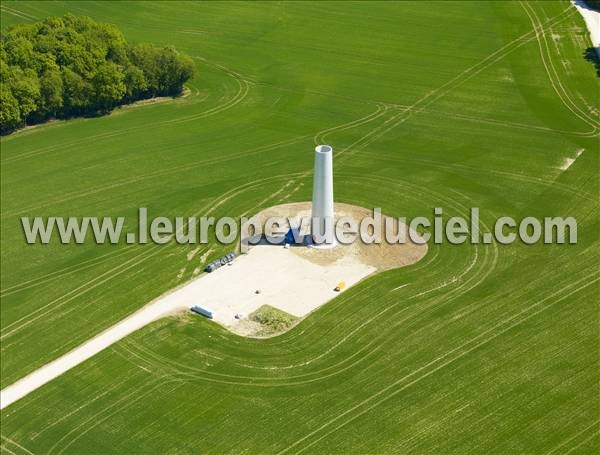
(88, 349)
(281, 274)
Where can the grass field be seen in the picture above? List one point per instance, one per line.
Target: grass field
(484, 349)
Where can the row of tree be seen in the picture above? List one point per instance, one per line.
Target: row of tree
(73, 66)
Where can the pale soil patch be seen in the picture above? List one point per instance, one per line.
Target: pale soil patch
(158, 309)
(205, 255)
(193, 253)
(296, 280)
(567, 162)
(285, 280)
(300, 279)
(592, 21)
(382, 257)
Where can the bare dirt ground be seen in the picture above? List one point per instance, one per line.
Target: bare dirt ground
(275, 276)
(297, 281)
(382, 256)
(300, 279)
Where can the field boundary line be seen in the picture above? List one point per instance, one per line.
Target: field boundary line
(490, 331)
(147, 382)
(193, 372)
(242, 91)
(13, 442)
(18, 13)
(319, 138)
(576, 435)
(554, 81)
(110, 274)
(84, 265)
(457, 80)
(579, 444)
(151, 175)
(503, 123)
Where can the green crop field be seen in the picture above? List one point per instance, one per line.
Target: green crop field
(476, 349)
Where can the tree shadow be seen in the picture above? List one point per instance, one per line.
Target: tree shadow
(591, 55)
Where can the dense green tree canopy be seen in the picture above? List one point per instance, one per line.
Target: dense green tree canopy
(73, 66)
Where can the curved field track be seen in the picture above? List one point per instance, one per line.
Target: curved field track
(475, 349)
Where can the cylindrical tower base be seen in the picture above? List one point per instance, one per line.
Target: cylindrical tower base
(323, 223)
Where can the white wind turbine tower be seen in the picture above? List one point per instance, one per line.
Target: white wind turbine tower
(322, 200)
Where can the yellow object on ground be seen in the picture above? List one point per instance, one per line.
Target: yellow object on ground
(341, 285)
